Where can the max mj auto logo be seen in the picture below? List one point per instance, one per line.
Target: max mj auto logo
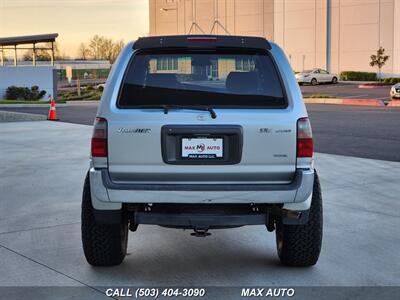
(201, 148)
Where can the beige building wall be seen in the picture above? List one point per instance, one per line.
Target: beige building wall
(396, 39)
(240, 17)
(357, 27)
(300, 29)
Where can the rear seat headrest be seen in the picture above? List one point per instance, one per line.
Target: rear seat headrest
(242, 82)
(161, 80)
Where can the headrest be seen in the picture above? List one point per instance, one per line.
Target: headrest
(161, 80)
(242, 82)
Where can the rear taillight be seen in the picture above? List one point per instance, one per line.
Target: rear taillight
(305, 144)
(99, 138)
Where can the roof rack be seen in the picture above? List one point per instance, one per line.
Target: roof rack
(201, 42)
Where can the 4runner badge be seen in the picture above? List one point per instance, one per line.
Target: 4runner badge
(133, 130)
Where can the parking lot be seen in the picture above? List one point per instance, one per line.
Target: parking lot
(369, 132)
(347, 91)
(43, 167)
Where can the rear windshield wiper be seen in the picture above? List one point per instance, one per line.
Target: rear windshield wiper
(203, 108)
(166, 108)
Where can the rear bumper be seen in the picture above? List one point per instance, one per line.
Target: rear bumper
(303, 80)
(107, 195)
(199, 220)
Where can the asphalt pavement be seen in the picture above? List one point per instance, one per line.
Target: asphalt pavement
(369, 132)
(43, 168)
(347, 91)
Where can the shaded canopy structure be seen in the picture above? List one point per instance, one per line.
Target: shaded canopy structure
(11, 43)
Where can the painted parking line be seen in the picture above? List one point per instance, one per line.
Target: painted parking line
(355, 96)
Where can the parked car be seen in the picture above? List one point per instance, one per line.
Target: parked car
(316, 76)
(201, 133)
(100, 86)
(395, 91)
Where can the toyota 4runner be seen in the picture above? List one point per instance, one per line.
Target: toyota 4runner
(202, 132)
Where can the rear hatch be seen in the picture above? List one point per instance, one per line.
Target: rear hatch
(202, 116)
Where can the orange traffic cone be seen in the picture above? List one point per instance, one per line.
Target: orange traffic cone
(52, 116)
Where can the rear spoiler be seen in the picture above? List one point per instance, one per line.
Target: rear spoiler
(201, 42)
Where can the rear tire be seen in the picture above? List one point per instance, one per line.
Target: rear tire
(300, 245)
(314, 81)
(103, 244)
(334, 80)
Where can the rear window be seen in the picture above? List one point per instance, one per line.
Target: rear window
(201, 78)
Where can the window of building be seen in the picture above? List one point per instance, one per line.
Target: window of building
(245, 65)
(167, 64)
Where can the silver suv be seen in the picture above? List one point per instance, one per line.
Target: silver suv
(201, 133)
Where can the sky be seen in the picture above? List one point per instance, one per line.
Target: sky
(75, 20)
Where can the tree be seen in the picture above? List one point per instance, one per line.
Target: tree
(83, 52)
(116, 49)
(41, 55)
(100, 47)
(95, 47)
(44, 55)
(379, 60)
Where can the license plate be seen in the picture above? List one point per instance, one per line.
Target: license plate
(202, 148)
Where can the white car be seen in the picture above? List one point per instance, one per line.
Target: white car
(316, 76)
(395, 91)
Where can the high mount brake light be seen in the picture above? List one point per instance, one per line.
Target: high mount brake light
(202, 39)
(99, 138)
(305, 143)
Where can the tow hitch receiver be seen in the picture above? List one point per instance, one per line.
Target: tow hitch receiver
(200, 232)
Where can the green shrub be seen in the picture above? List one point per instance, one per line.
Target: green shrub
(96, 73)
(358, 76)
(24, 93)
(85, 95)
(13, 93)
(392, 80)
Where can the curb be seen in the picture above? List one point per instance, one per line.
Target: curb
(83, 102)
(30, 105)
(323, 101)
(394, 103)
(361, 102)
(364, 102)
(10, 116)
(355, 82)
(363, 86)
